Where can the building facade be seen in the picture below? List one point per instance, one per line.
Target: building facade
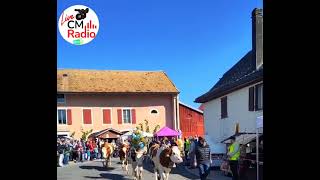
(191, 121)
(97, 100)
(236, 100)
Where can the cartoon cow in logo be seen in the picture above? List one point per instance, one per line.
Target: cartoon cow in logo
(82, 13)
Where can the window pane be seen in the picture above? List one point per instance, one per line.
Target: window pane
(62, 118)
(224, 111)
(129, 116)
(126, 116)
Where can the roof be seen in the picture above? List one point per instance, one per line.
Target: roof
(107, 81)
(104, 131)
(201, 107)
(195, 109)
(242, 138)
(243, 73)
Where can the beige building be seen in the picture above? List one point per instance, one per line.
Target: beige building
(96, 99)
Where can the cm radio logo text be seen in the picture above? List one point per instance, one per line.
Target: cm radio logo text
(78, 24)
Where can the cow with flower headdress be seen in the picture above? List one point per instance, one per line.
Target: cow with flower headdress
(137, 153)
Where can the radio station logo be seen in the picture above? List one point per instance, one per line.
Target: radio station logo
(78, 24)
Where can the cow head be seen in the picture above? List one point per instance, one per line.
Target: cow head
(175, 155)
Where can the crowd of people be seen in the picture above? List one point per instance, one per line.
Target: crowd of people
(78, 150)
(195, 150)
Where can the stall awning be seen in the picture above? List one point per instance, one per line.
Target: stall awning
(165, 131)
(242, 138)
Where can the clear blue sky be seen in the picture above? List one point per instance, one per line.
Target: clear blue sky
(194, 42)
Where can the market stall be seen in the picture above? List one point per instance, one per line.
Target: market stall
(108, 135)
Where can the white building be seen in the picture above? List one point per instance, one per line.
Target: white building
(238, 96)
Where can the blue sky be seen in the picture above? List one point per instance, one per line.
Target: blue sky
(194, 42)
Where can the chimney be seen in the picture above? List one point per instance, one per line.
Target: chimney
(65, 82)
(257, 37)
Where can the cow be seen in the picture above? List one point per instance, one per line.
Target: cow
(164, 158)
(136, 159)
(123, 154)
(107, 151)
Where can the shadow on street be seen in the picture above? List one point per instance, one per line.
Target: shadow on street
(177, 170)
(108, 176)
(99, 168)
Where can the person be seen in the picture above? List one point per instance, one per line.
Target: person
(186, 147)
(203, 156)
(196, 138)
(101, 142)
(89, 149)
(84, 150)
(61, 149)
(74, 151)
(166, 142)
(79, 150)
(192, 156)
(67, 152)
(234, 154)
(180, 145)
(173, 142)
(58, 153)
(95, 150)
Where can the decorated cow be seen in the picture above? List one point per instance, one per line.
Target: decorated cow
(164, 157)
(137, 152)
(124, 155)
(107, 151)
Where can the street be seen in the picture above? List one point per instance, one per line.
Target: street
(95, 170)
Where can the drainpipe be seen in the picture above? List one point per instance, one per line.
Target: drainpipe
(174, 99)
(178, 115)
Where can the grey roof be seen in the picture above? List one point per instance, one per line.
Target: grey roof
(242, 74)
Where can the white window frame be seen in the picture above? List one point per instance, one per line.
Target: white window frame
(64, 98)
(66, 109)
(123, 115)
(91, 109)
(110, 116)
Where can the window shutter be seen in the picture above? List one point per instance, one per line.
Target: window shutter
(119, 111)
(133, 112)
(106, 116)
(69, 117)
(87, 116)
(224, 111)
(256, 98)
(251, 99)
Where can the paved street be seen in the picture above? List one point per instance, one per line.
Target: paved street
(95, 170)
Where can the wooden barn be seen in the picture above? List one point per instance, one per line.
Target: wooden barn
(191, 121)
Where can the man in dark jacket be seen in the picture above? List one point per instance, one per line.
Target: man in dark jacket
(203, 156)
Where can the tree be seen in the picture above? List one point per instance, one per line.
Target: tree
(156, 128)
(147, 126)
(141, 126)
(85, 134)
(72, 134)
